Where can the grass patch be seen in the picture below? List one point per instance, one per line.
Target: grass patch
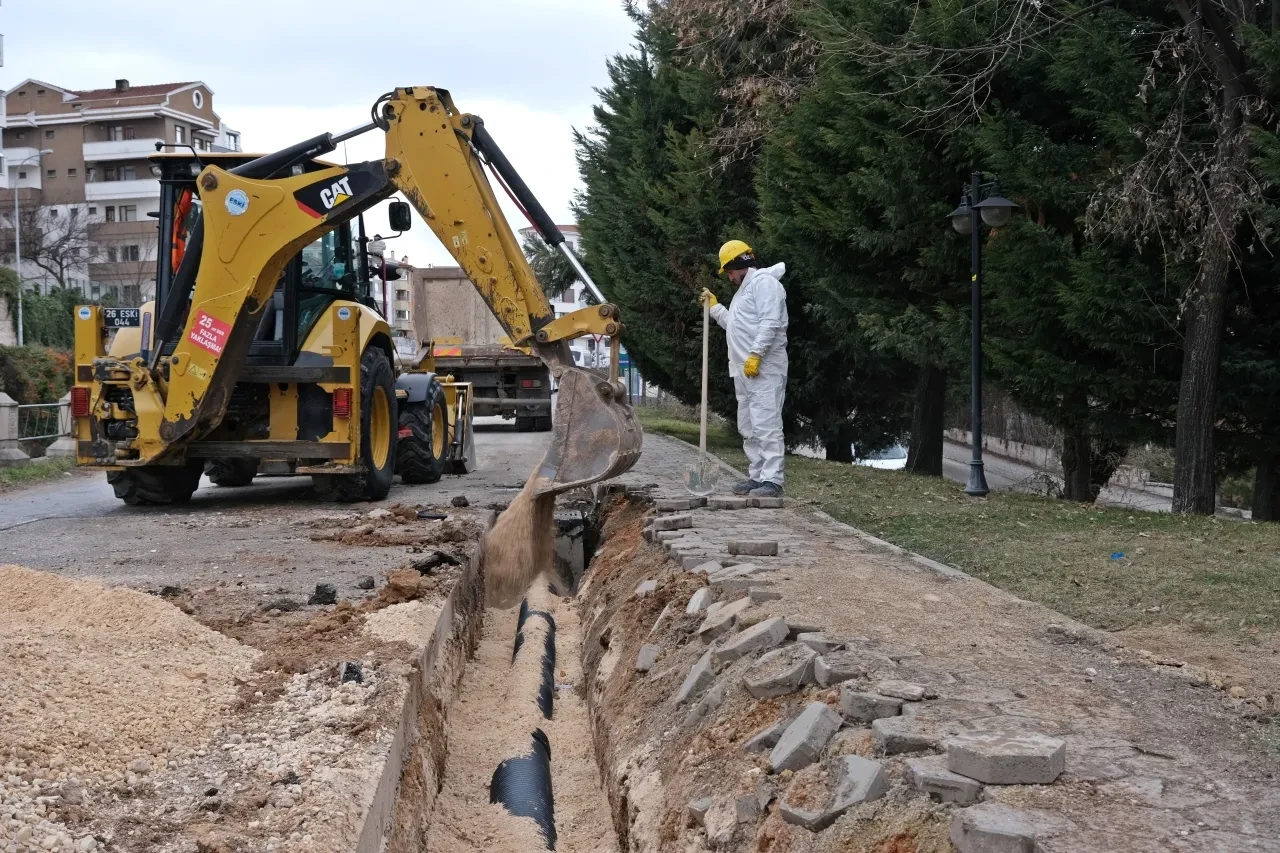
(1203, 573)
(38, 470)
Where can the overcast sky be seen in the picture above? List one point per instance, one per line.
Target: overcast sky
(284, 70)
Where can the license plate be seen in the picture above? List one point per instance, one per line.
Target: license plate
(121, 318)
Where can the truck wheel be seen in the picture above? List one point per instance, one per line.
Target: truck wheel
(231, 472)
(156, 485)
(542, 423)
(424, 438)
(378, 433)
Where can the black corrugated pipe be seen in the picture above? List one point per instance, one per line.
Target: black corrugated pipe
(523, 786)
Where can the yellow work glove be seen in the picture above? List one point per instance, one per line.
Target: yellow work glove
(708, 298)
(752, 366)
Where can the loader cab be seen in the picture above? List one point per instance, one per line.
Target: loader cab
(333, 267)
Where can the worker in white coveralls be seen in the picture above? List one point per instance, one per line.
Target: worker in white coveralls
(756, 325)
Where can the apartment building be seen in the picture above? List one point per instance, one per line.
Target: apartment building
(78, 161)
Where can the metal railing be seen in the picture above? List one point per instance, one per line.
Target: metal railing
(38, 421)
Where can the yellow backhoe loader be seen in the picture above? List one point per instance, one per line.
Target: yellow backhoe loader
(264, 351)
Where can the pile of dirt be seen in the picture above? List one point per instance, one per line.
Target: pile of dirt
(74, 658)
(398, 525)
(519, 547)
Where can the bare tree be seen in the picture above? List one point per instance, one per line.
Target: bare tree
(58, 240)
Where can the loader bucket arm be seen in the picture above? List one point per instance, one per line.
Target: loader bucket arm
(433, 156)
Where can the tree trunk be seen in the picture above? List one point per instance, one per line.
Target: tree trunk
(1266, 487)
(1193, 460)
(924, 456)
(1105, 457)
(1077, 457)
(839, 443)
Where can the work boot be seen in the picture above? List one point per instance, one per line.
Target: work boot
(766, 490)
(745, 487)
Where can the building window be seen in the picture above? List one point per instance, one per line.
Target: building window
(48, 134)
(71, 173)
(233, 141)
(179, 134)
(197, 98)
(129, 253)
(93, 211)
(111, 254)
(22, 176)
(51, 173)
(109, 173)
(91, 174)
(402, 295)
(53, 211)
(21, 134)
(39, 91)
(130, 132)
(402, 315)
(111, 213)
(128, 213)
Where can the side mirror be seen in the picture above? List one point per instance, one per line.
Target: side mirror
(400, 216)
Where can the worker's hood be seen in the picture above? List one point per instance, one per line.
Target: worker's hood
(776, 271)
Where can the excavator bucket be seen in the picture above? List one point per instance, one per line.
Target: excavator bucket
(595, 437)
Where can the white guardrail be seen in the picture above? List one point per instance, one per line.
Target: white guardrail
(34, 422)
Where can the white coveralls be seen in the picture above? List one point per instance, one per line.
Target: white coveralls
(756, 322)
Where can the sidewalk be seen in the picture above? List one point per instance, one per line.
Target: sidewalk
(1156, 758)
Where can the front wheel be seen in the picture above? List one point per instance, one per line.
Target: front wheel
(424, 438)
(378, 433)
(231, 473)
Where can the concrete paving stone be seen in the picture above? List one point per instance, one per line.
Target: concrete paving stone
(722, 621)
(673, 504)
(758, 595)
(698, 809)
(667, 535)
(855, 780)
(767, 738)
(752, 547)
(780, 672)
(661, 620)
(701, 676)
(803, 740)
(802, 625)
(836, 667)
(901, 690)
(699, 601)
(735, 585)
(767, 503)
(896, 735)
(706, 707)
(714, 607)
(645, 587)
(647, 657)
(740, 570)
(672, 522)
(727, 503)
(690, 562)
(997, 828)
(707, 567)
(931, 776)
(757, 638)
(861, 707)
(1007, 758)
(942, 710)
(895, 651)
(819, 642)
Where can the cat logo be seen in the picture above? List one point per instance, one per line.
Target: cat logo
(336, 194)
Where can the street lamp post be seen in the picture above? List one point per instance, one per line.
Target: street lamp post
(17, 236)
(995, 210)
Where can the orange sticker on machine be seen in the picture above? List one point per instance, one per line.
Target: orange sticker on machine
(209, 333)
(448, 351)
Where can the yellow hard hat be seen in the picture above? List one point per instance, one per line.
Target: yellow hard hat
(731, 251)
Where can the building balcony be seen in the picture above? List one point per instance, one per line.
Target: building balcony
(123, 149)
(122, 190)
(142, 231)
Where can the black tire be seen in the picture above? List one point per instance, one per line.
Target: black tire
(231, 473)
(418, 460)
(525, 423)
(374, 482)
(542, 423)
(157, 485)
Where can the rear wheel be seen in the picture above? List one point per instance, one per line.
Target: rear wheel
(525, 423)
(156, 485)
(377, 437)
(231, 472)
(424, 438)
(542, 423)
